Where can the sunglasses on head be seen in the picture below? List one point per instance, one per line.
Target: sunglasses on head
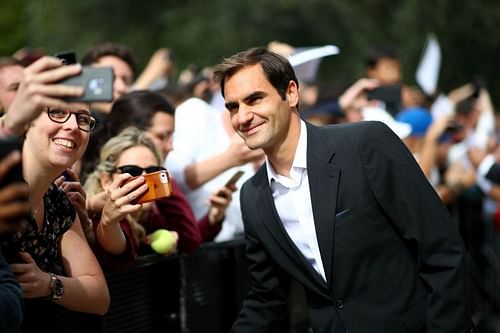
(135, 170)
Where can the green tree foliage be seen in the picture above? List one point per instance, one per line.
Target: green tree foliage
(13, 26)
(203, 32)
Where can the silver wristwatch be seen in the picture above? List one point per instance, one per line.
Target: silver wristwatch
(57, 287)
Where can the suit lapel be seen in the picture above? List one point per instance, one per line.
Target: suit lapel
(270, 219)
(323, 186)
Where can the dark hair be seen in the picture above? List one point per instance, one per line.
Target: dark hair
(277, 69)
(136, 109)
(9, 61)
(375, 53)
(110, 49)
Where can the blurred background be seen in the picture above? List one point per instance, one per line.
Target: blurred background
(203, 32)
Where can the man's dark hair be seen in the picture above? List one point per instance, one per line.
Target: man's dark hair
(375, 53)
(136, 109)
(277, 69)
(10, 61)
(110, 49)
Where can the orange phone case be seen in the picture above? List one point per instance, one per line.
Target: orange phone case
(159, 186)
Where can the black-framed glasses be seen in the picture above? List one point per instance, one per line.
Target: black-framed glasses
(135, 170)
(84, 120)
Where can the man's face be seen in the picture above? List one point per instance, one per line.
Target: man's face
(124, 78)
(161, 132)
(387, 71)
(257, 111)
(10, 77)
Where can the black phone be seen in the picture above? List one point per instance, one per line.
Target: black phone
(67, 176)
(15, 174)
(97, 82)
(68, 57)
(231, 181)
(390, 95)
(453, 127)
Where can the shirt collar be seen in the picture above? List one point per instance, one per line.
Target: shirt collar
(300, 158)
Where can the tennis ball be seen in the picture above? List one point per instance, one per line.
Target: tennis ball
(162, 241)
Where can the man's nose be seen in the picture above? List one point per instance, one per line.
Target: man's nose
(244, 114)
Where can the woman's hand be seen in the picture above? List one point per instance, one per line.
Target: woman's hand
(77, 196)
(33, 281)
(120, 196)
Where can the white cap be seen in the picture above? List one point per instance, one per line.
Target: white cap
(373, 113)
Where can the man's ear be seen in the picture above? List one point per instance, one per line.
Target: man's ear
(292, 93)
(105, 179)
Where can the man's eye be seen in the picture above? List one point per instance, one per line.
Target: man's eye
(232, 108)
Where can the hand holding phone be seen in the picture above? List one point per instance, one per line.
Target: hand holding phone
(390, 95)
(159, 186)
(234, 178)
(97, 83)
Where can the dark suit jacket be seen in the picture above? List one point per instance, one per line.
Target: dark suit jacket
(493, 173)
(393, 258)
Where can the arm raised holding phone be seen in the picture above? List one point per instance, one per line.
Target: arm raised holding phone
(39, 89)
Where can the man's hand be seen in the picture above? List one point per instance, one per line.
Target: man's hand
(14, 198)
(219, 201)
(354, 96)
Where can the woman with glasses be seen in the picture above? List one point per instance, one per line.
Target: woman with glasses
(122, 228)
(50, 255)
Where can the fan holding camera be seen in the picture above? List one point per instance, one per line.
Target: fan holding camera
(49, 256)
(135, 190)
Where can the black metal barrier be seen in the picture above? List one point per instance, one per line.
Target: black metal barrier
(199, 292)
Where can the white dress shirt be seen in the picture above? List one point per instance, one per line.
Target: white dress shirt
(293, 203)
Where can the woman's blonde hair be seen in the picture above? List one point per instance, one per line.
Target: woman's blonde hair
(109, 155)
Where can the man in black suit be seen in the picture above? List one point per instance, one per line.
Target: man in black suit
(344, 210)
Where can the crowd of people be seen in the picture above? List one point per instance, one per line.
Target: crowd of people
(75, 215)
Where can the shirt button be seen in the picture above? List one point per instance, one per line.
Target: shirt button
(339, 304)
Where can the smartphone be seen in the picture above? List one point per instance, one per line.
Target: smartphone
(159, 186)
(67, 57)
(15, 174)
(97, 82)
(453, 128)
(67, 176)
(390, 95)
(234, 178)
(387, 94)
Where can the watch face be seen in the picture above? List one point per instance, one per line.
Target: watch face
(57, 287)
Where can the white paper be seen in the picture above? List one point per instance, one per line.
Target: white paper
(427, 74)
